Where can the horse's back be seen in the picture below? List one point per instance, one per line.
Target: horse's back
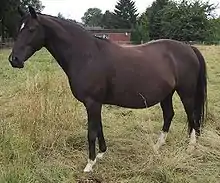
(169, 54)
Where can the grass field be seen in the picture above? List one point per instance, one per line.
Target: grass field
(43, 132)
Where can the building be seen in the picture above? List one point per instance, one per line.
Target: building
(121, 36)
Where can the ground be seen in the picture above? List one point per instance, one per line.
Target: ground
(43, 132)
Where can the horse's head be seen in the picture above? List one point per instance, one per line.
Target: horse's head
(31, 38)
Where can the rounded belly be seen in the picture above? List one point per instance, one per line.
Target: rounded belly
(140, 95)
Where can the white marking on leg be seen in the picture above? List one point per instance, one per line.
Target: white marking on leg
(192, 141)
(100, 155)
(161, 141)
(162, 138)
(89, 165)
(193, 137)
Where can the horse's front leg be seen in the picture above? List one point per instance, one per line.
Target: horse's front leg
(94, 130)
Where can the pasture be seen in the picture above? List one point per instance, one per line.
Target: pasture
(43, 132)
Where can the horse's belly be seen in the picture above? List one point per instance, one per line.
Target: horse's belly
(128, 100)
(140, 86)
(140, 95)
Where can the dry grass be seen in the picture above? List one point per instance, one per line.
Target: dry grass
(43, 132)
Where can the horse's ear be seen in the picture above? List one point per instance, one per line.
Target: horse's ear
(21, 12)
(32, 12)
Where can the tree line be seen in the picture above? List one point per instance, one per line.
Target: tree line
(181, 20)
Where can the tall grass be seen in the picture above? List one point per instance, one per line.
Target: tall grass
(43, 131)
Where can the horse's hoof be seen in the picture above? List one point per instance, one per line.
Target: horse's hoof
(100, 155)
(87, 169)
(89, 166)
(190, 148)
(156, 149)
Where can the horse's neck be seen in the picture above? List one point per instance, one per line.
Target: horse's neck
(66, 46)
(53, 45)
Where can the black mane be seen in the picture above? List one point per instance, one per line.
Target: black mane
(75, 24)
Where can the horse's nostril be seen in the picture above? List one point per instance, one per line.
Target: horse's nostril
(14, 58)
(15, 62)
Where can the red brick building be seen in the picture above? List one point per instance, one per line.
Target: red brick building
(120, 36)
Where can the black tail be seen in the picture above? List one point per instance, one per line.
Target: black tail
(201, 93)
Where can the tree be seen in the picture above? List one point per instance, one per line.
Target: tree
(36, 4)
(155, 14)
(183, 20)
(108, 20)
(141, 31)
(92, 17)
(125, 14)
(59, 15)
(9, 16)
(186, 21)
(214, 30)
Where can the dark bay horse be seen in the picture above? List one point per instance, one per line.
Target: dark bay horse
(102, 72)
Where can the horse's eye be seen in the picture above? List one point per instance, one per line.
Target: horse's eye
(31, 29)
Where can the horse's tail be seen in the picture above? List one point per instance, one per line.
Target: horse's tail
(201, 91)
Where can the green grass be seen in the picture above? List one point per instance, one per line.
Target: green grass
(43, 132)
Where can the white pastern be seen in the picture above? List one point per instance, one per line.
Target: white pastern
(100, 155)
(89, 165)
(161, 141)
(192, 142)
(193, 137)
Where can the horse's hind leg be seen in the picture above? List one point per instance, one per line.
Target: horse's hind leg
(168, 113)
(188, 103)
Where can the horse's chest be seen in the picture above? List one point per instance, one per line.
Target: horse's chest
(88, 83)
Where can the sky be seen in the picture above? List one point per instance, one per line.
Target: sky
(75, 9)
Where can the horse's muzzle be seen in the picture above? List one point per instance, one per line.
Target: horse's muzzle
(15, 62)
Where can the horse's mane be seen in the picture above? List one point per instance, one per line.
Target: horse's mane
(72, 24)
(63, 21)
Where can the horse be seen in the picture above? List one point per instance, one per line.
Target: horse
(102, 72)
